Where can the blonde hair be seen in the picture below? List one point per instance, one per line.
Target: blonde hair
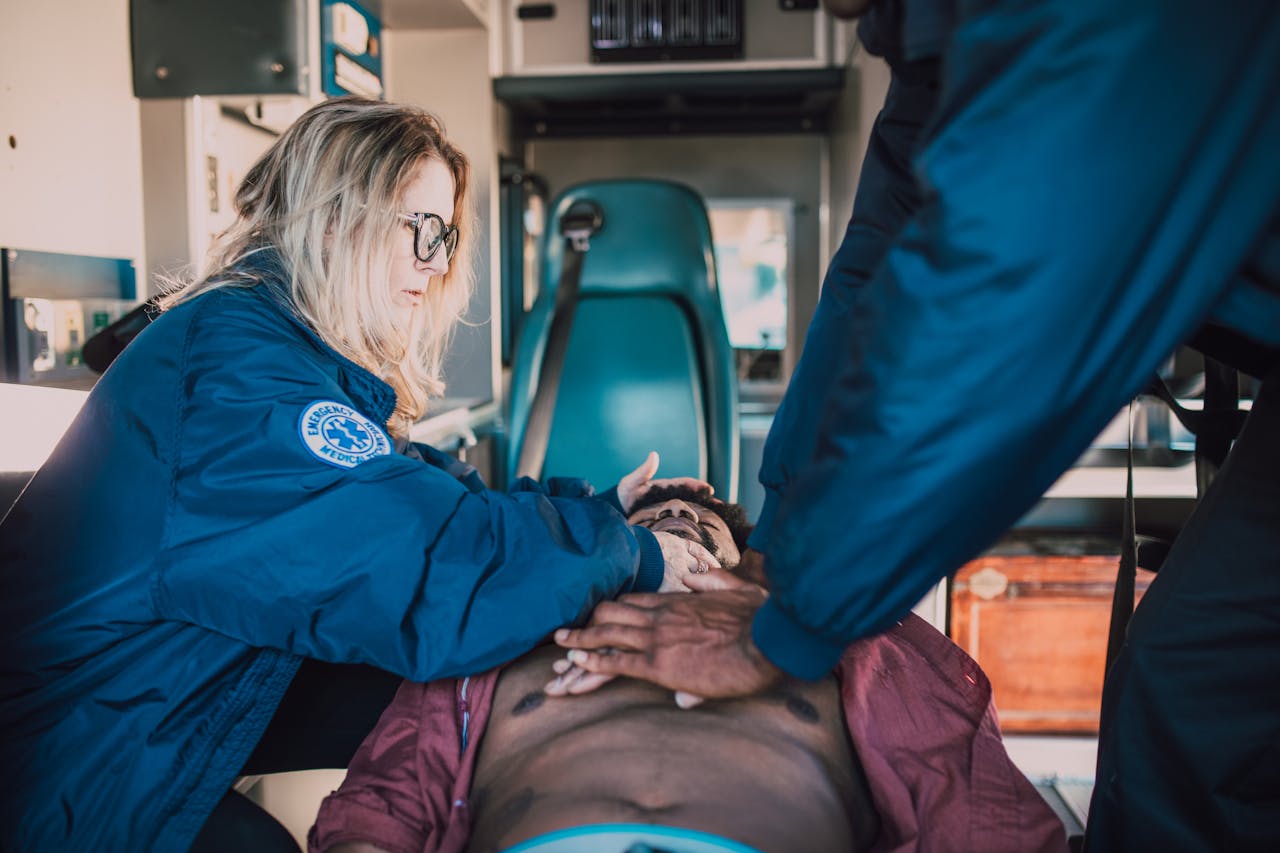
(327, 198)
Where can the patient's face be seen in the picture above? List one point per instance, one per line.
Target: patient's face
(689, 515)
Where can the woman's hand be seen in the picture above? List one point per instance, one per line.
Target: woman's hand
(683, 560)
(633, 487)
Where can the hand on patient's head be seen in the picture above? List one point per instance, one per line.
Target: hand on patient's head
(633, 487)
(683, 560)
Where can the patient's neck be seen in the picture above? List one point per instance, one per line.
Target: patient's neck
(772, 771)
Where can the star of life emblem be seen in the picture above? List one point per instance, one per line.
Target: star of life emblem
(338, 434)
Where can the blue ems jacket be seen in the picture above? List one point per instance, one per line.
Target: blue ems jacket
(1095, 181)
(887, 196)
(225, 504)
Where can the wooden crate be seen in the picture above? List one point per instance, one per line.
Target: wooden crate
(1038, 626)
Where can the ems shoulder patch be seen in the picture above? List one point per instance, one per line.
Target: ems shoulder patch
(338, 434)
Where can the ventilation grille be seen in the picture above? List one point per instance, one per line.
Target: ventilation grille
(724, 21)
(684, 24)
(647, 19)
(665, 30)
(609, 23)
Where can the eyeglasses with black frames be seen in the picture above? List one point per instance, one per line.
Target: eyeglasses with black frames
(430, 233)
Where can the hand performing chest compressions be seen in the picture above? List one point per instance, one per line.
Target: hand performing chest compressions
(623, 636)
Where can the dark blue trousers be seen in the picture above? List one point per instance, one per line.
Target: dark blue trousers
(1189, 753)
(325, 714)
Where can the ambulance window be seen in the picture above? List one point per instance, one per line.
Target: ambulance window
(753, 262)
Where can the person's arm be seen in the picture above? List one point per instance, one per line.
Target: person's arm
(887, 195)
(678, 559)
(392, 562)
(1091, 193)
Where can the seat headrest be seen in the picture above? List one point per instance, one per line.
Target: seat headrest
(655, 238)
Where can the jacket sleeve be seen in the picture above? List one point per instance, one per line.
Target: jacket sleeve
(887, 196)
(1089, 195)
(392, 562)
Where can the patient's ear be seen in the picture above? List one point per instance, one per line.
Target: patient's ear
(751, 568)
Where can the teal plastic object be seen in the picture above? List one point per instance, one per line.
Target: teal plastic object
(649, 365)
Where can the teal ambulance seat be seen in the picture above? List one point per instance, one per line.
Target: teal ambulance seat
(648, 365)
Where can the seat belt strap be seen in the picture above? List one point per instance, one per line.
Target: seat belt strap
(582, 220)
(1215, 428)
(1221, 403)
(1126, 575)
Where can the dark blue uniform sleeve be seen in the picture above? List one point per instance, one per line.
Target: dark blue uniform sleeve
(887, 196)
(1096, 176)
(393, 562)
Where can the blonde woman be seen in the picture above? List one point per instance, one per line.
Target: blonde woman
(239, 496)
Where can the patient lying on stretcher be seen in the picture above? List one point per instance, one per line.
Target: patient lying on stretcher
(898, 750)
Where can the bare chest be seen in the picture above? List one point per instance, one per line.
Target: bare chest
(756, 770)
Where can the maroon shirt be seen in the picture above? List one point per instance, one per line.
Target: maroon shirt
(918, 710)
